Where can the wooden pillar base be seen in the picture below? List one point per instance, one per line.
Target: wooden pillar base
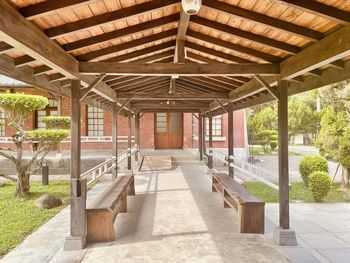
(74, 243)
(284, 237)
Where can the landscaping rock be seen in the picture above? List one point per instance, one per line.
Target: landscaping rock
(346, 197)
(48, 201)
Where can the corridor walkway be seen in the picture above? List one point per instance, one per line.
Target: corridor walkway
(174, 217)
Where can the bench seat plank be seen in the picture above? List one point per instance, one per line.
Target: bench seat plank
(102, 213)
(251, 210)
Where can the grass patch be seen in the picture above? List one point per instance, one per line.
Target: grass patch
(19, 217)
(258, 151)
(298, 193)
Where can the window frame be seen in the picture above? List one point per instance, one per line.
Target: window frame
(99, 131)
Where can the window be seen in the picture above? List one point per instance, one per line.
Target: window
(2, 124)
(50, 110)
(95, 121)
(216, 126)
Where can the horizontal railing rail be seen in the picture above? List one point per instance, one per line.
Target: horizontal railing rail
(84, 139)
(249, 171)
(106, 167)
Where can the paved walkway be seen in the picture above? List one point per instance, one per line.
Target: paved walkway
(175, 218)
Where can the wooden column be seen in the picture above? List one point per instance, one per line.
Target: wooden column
(283, 155)
(77, 238)
(200, 137)
(210, 156)
(129, 141)
(230, 140)
(283, 235)
(115, 139)
(204, 133)
(137, 135)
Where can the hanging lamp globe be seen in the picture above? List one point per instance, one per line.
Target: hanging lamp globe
(191, 7)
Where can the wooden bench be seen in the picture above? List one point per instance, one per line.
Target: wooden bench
(102, 213)
(251, 210)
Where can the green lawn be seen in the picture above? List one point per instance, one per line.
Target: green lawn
(20, 217)
(299, 193)
(258, 150)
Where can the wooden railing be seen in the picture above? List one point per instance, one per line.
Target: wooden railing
(106, 167)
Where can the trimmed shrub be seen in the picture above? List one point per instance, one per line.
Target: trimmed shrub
(43, 136)
(57, 122)
(312, 163)
(273, 145)
(320, 185)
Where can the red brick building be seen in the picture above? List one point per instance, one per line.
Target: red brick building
(96, 126)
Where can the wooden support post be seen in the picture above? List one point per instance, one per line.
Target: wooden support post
(129, 141)
(230, 140)
(115, 139)
(77, 238)
(283, 235)
(210, 156)
(204, 133)
(200, 137)
(137, 134)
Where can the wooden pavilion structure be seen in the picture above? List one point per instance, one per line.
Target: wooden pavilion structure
(131, 56)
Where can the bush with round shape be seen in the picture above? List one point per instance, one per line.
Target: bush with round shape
(273, 145)
(312, 163)
(320, 185)
(57, 122)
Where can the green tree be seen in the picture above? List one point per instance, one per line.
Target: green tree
(17, 108)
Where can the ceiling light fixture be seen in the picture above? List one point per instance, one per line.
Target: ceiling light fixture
(191, 7)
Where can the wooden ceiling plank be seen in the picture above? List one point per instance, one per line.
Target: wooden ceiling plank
(167, 96)
(279, 45)
(172, 69)
(268, 21)
(245, 50)
(139, 83)
(142, 52)
(213, 52)
(127, 45)
(109, 17)
(201, 85)
(320, 9)
(51, 6)
(209, 82)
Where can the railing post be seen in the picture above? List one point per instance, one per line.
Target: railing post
(210, 157)
(129, 144)
(137, 136)
(283, 235)
(77, 238)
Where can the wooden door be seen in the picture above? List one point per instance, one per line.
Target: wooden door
(168, 130)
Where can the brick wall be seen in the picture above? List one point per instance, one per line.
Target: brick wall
(146, 126)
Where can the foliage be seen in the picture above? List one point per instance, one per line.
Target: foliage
(302, 116)
(19, 217)
(344, 149)
(298, 193)
(1, 123)
(333, 125)
(273, 145)
(17, 107)
(265, 137)
(57, 122)
(312, 163)
(320, 185)
(262, 118)
(48, 136)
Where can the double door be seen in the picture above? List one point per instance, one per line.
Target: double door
(168, 130)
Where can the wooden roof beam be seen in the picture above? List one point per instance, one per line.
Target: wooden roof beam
(121, 14)
(51, 6)
(182, 27)
(320, 9)
(167, 96)
(265, 20)
(162, 69)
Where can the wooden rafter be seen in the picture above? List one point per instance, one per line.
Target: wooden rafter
(268, 21)
(167, 96)
(106, 18)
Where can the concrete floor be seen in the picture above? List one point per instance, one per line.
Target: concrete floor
(175, 218)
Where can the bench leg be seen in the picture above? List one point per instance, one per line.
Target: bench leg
(131, 190)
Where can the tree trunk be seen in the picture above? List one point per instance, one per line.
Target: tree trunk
(345, 178)
(22, 187)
